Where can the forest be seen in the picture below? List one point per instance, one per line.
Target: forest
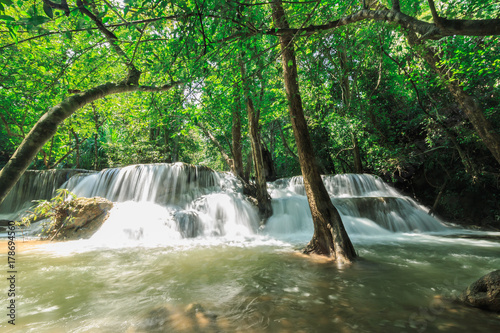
(408, 91)
(403, 93)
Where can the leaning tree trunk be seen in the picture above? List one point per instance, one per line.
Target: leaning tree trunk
(469, 104)
(330, 237)
(46, 127)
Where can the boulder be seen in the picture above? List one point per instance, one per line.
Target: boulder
(484, 293)
(188, 224)
(80, 220)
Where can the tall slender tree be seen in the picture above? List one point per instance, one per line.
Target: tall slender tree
(330, 237)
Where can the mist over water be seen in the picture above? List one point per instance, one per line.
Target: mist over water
(181, 236)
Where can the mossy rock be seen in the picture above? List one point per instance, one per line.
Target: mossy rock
(80, 219)
(484, 293)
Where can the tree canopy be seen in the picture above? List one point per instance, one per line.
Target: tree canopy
(407, 90)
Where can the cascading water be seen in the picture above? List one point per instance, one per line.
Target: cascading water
(34, 185)
(191, 201)
(368, 207)
(161, 203)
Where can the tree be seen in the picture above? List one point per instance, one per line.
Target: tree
(357, 74)
(330, 237)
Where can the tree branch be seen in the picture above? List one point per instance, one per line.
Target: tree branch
(435, 16)
(216, 142)
(9, 132)
(111, 38)
(396, 6)
(47, 126)
(62, 6)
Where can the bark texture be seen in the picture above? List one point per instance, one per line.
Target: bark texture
(330, 238)
(236, 141)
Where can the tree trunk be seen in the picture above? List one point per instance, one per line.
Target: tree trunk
(248, 168)
(46, 127)
(236, 138)
(330, 238)
(358, 165)
(469, 104)
(263, 198)
(77, 148)
(344, 80)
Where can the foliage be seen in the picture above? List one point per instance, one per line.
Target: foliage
(55, 210)
(361, 80)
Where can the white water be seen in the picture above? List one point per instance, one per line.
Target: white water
(161, 204)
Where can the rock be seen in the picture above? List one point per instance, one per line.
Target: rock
(166, 318)
(484, 293)
(188, 224)
(82, 219)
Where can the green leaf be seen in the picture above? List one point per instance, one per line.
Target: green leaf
(48, 10)
(80, 23)
(7, 2)
(290, 63)
(13, 33)
(37, 20)
(7, 18)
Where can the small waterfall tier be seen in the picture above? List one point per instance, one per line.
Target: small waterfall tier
(34, 185)
(366, 204)
(164, 184)
(154, 203)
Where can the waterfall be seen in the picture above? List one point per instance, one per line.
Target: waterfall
(167, 202)
(366, 204)
(164, 184)
(34, 185)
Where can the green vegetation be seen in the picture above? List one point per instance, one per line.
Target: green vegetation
(417, 104)
(55, 210)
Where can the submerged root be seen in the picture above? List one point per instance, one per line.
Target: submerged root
(332, 252)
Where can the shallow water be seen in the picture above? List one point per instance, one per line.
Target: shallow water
(253, 285)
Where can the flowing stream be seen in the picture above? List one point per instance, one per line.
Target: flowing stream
(182, 251)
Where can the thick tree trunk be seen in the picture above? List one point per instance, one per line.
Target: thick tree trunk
(330, 238)
(46, 127)
(262, 196)
(469, 104)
